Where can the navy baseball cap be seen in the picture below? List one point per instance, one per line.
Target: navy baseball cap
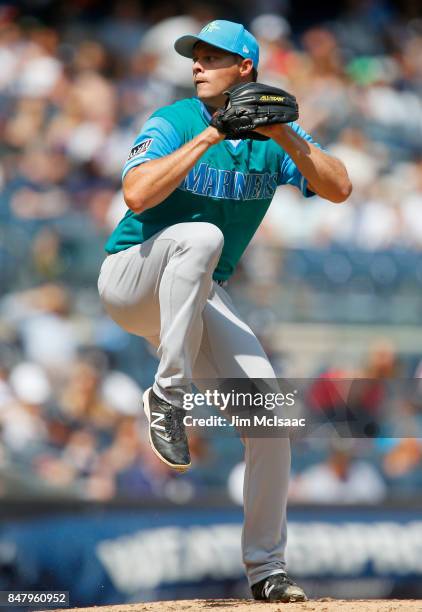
(227, 35)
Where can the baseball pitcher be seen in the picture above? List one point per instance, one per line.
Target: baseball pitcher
(197, 183)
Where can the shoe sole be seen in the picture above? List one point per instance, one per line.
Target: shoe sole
(291, 599)
(297, 599)
(179, 468)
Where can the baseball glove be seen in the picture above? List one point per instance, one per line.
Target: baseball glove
(252, 105)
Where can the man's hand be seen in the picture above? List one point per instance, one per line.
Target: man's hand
(270, 131)
(213, 135)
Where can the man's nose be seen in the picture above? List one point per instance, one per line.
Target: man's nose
(197, 67)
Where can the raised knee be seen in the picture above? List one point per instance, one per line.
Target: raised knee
(206, 238)
(212, 237)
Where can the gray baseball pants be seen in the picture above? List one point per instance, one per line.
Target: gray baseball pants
(163, 290)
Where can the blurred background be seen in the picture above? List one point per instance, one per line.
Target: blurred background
(332, 291)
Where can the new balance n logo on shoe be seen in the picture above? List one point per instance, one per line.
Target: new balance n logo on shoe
(155, 424)
(267, 589)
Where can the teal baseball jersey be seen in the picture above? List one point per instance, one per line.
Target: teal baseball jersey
(231, 185)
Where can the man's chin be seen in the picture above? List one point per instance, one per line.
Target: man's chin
(213, 101)
(203, 94)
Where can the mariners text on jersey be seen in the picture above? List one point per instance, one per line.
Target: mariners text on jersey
(229, 184)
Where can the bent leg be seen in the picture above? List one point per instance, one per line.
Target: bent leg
(160, 287)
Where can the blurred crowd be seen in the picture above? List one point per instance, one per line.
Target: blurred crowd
(74, 92)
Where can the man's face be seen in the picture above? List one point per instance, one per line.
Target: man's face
(214, 70)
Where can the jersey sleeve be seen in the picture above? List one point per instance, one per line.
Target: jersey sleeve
(289, 172)
(157, 138)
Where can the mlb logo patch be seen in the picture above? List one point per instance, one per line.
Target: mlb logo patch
(140, 149)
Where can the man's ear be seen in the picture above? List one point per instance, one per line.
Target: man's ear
(246, 67)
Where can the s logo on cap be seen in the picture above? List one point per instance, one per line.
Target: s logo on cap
(210, 27)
